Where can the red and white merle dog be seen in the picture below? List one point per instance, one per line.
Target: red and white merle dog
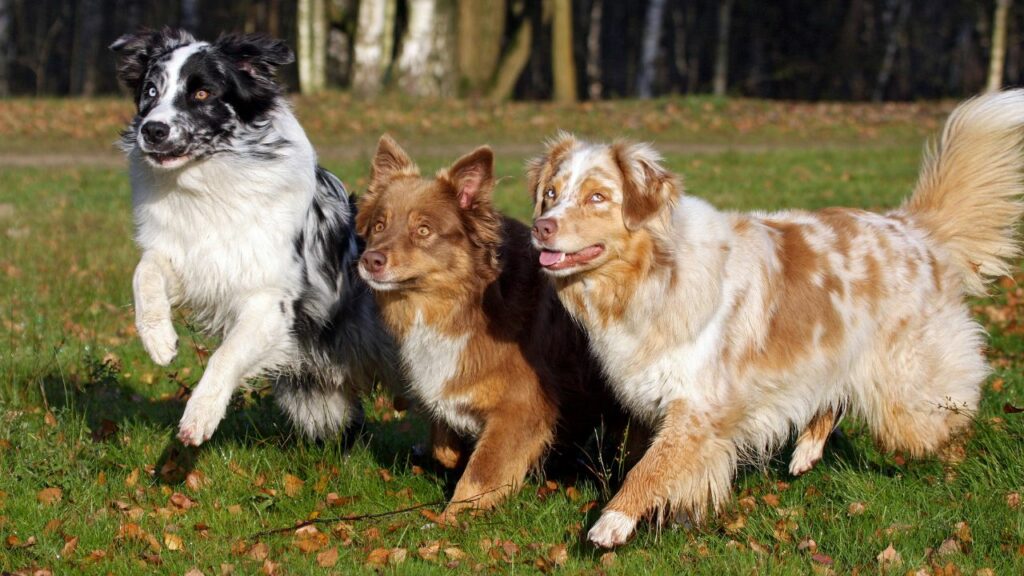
(238, 223)
(727, 332)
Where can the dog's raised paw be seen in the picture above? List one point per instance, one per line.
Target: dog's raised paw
(160, 342)
(201, 418)
(611, 529)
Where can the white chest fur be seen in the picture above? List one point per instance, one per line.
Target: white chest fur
(431, 360)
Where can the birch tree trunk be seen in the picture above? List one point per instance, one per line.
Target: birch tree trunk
(190, 16)
(722, 48)
(481, 28)
(312, 22)
(5, 47)
(594, 87)
(374, 45)
(563, 65)
(426, 63)
(650, 48)
(997, 61)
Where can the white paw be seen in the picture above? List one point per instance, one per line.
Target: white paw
(202, 416)
(160, 341)
(611, 530)
(805, 456)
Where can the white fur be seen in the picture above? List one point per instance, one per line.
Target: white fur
(611, 529)
(432, 359)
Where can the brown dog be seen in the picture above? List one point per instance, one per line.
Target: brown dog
(488, 349)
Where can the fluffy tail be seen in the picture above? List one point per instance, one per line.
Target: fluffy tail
(968, 196)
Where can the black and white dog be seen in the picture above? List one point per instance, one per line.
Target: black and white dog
(238, 224)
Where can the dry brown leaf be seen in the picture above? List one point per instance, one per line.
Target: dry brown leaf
(963, 533)
(385, 475)
(70, 545)
(173, 542)
(194, 572)
(889, 557)
(558, 554)
(588, 506)
(949, 546)
(1013, 500)
(195, 480)
(235, 509)
(308, 539)
(608, 559)
(327, 558)
(856, 509)
(269, 567)
(748, 503)
(378, 557)
(397, 556)
(50, 496)
(179, 500)
(771, 500)
(334, 500)
(429, 550)
(226, 569)
(50, 419)
(454, 553)
(132, 479)
(822, 559)
(259, 551)
(572, 493)
(293, 485)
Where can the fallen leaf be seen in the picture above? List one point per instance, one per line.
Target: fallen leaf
(822, 559)
(293, 485)
(334, 500)
(50, 496)
(179, 500)
(771, 500)
(807, 544)
(70, 545)
(194, 572)
(259, 551)
(105, 431)
(173, 542)
(50, 419)
(378, 557)
(962, 531)
(235, 509)
(327, 558)
(588, 506)
(889, 557)
(431, 516)
(52, 525)
(132, 478)
(608, 559)
(856, 509)
(269, 568)
(397, 556)
(949, 546)
(226, 569)
(195, 480)
(385, 475)
(1013, 500)
(429, 550)
(308, 539)
(558, 554)
(454, 553)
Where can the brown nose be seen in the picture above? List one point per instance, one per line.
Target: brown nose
(373, 260)
(543, 228)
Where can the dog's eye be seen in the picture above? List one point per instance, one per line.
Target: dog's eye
(201, 95)
(423, 231)
(151, 91)
(549, 193)
(378, 227)
(597, 198)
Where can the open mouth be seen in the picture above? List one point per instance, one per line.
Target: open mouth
(168, 160)
(562, 260)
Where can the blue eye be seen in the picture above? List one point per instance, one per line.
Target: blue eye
(151, 91)
(549, 193)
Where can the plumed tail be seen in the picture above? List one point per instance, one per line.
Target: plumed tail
(968, 195)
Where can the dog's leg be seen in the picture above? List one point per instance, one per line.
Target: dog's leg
(689, 466)
(257, 339)
(153, 285)
(510, 444)
(811, 443)
(445, 445)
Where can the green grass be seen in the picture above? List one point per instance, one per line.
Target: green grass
(83, 409)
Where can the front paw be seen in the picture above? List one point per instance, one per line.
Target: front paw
(612, 529)
(201, 418)
(160, 341)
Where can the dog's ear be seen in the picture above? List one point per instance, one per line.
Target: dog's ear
(647, 188)
(136, 52)
(255, 54)
(541, 168)
(473, 176)
(388, 162)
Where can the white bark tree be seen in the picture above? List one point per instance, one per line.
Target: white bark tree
(721, 77)
(651, 46)
(427, 64)
(373, 46)
(312, 54)
(996, 63)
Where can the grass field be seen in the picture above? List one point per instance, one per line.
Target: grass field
(91, 481)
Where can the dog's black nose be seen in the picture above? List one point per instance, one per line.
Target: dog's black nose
(374, 261)
(155, 132)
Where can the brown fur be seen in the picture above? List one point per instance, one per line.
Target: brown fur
(525, 367)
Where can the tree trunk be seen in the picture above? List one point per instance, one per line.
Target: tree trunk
(481, 28)
(513, 62)
(722, 48)
(311, 18)
(426, 63)
(650, 49)
(896, 33)
(594, 88)
(85, 47)
(190, 16)
(5, 47)
(563, 65)
(374, 45)
(998, 57)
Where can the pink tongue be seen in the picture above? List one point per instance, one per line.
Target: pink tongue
(549, 258)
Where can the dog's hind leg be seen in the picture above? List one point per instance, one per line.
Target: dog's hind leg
(927, 381)
(258, 340)
(810, 445)
(317, 410)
